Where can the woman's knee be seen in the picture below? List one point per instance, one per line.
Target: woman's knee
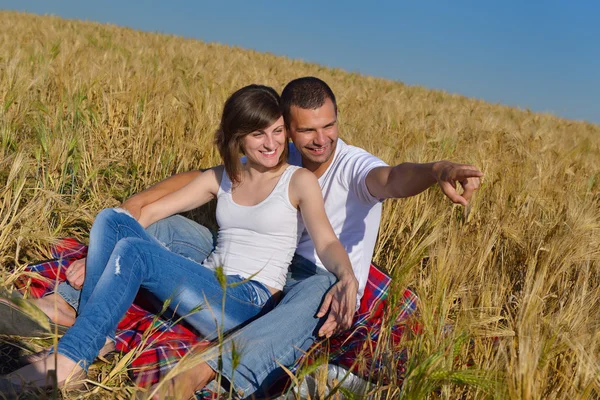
(111, 216)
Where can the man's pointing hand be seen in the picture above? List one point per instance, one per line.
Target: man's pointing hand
(448, 173)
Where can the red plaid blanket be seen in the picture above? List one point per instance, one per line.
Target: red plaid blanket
(160, 343)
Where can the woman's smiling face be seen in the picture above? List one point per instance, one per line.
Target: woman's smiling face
(265, 146)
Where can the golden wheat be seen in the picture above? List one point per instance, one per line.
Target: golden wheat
(509, 288)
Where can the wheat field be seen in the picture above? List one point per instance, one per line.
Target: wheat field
(508, 288)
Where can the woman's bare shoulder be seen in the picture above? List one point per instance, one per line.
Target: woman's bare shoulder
(303, 176)
(217, 171)
(211, 178)
(303, 185)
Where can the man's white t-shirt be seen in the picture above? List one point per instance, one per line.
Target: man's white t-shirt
(353, 212)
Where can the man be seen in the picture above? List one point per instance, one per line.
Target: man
(354, 183)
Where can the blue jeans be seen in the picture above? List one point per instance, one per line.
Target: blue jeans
(122, 257)
(179, 234)
(277, 338)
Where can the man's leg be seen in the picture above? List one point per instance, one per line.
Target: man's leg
(179, 234)
(262, 347)
(274, 340)
(183, 236)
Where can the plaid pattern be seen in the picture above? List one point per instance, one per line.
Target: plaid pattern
(160, 343)
(64, 252)
(361, 339)
(357, 349)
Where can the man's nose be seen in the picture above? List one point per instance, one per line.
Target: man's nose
(320, 139)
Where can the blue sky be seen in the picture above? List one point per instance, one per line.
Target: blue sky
(541, 55)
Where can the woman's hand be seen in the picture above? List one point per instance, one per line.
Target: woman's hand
(76, 273)
(340, 301)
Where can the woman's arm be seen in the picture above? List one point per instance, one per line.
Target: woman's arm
(135, 203)
(197, 192)
(305, 192)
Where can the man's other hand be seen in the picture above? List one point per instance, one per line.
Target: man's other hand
(76, 273)
(448, 173)
(340, 301)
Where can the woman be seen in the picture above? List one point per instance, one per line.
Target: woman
(258, 210)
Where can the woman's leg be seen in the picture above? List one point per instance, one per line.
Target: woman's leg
(179, 234)
(192, 290)
(110, 226)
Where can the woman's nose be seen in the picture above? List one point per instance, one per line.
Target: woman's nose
(269, 142)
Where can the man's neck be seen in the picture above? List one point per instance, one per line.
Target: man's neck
(317, 169)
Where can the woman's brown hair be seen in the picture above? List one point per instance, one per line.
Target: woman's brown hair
(249, 109)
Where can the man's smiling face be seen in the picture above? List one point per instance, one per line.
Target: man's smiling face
(314, 133)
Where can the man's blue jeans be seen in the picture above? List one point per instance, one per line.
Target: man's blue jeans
(122, 257)
(276, 339)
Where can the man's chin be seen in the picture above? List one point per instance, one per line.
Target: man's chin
(318, 159)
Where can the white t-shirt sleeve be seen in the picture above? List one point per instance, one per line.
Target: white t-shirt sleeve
(358, 167)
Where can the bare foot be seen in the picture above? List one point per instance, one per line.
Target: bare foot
(184, 385)
(36, 374)
(56, 308)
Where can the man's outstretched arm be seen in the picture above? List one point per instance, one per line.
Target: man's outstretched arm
(135, 203)
(409, 179)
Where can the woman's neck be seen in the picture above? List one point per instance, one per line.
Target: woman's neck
(255, 172)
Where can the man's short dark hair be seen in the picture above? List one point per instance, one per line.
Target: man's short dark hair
(308, 93)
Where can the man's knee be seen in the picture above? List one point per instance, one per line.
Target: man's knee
(175, 224)
(318, 284)
(183, 236)
(324, 281)
(310, 291)
(163, 228)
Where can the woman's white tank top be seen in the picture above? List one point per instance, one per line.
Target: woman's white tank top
(257, 240)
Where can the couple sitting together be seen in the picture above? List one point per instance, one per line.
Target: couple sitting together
(297, 229)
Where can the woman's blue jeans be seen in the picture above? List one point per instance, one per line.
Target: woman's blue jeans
(122, 258)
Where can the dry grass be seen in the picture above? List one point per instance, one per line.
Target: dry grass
(91, 114)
